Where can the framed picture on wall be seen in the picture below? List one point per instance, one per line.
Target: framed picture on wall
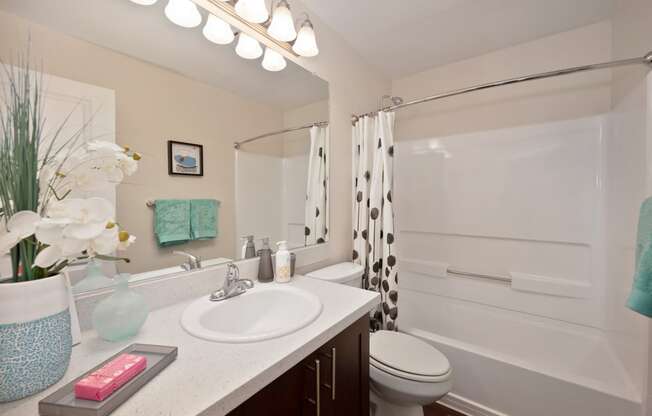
(185, 158)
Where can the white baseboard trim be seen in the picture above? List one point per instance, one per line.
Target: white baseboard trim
(468, 407)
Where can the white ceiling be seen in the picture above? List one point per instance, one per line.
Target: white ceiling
(400, 38)
(145, 33)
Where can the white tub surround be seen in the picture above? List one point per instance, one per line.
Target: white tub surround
(514, 245)
(212, 378)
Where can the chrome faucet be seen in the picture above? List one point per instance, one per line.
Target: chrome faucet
(233, 285)
(193, 262)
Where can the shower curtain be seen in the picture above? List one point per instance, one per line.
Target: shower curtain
(316, 214)
(373, 214)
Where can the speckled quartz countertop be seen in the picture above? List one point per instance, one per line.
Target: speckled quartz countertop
(211, 378)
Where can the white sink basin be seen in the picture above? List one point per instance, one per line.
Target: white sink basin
(267, 311)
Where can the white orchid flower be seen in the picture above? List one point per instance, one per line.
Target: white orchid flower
(127, 164)
(106, 243)
(20, 226)
(86, 218)
(104, 146)
(126, 240)
(48, 257)
(73, 226)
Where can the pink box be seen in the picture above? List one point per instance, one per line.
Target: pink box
(102, 382)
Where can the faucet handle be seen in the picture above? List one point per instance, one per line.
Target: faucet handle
(194, 262)
(232, 272)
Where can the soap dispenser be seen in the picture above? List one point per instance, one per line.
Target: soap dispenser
(248, 247)
(283, 263)
(265, 268)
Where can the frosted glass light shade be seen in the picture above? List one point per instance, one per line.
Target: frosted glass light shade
(253, 11)
(282, 26)
(183, 13)
(273, 61)
(218, 31)
(144, 2)
(248, 47)
(306, 44)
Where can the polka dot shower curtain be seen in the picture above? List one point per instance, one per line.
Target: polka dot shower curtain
(374, 245)
(316, 214)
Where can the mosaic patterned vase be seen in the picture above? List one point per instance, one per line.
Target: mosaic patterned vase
(35, 338)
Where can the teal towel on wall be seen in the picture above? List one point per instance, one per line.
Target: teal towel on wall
(172, 221)
(640, 299)
(203, 218)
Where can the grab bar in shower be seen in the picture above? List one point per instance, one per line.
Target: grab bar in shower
(496, 278)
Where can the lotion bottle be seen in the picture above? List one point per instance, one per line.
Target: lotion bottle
(282, 263)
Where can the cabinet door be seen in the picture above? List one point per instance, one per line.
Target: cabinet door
(350, 352)
(332, 381)
(343, 364)
(282, 397)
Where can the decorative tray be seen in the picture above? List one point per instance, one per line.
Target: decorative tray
(64, 403)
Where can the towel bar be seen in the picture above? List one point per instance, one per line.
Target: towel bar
(503, 279)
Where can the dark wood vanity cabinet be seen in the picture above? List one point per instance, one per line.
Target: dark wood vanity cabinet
(332, 381)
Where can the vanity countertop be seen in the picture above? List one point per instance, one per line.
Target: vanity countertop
(212, 378)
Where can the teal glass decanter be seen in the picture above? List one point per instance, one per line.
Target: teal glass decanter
(121, 315)
(95, 278)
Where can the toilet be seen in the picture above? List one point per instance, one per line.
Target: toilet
(405, 372)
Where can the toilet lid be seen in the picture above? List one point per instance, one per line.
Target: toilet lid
(405, 356)
(339, 273)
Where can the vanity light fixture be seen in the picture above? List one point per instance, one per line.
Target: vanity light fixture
(250, 19)
(183, 13)
(306, 44)
(282, 25)
(218, 31)
(248, 47)
(254, 11)
(273, 61)
(144, 2)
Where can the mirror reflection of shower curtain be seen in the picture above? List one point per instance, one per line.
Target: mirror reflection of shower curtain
(316, 214)
(373, 212)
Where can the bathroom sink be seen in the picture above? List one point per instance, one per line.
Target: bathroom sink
(267, 311)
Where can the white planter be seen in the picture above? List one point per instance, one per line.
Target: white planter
(35, 336)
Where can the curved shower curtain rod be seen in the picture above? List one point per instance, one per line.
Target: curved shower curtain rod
(237, 145)
(644, 60)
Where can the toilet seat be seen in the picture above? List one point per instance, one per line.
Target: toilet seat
(407, 357)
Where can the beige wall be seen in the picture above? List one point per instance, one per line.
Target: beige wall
(298, 142)
(153, 105)
(533, 102)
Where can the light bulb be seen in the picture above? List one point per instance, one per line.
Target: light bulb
(306, 44)
(273, 61)
(144, 2)
(218, 31)
(183, 13)
(282, 26)
(254, 11)
(248, 47)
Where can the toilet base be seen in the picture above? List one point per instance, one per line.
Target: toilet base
(380, 407)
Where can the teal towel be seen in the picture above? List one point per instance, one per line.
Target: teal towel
(203, 218)
(172, 221)
(640, 299)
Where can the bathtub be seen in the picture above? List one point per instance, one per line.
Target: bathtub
(510, 363)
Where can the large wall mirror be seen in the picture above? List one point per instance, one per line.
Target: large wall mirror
(182, 102)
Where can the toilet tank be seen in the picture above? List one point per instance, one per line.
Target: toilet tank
(345, 273)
